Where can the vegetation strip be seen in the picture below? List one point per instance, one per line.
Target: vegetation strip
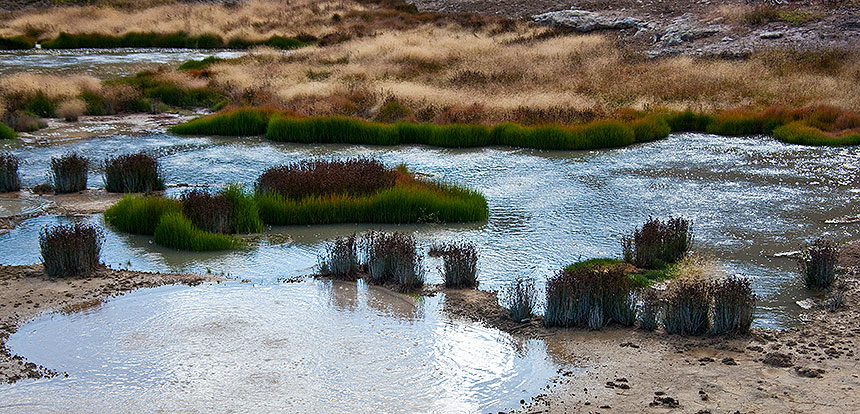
(150, 40)
(820, 125)
(313, 192)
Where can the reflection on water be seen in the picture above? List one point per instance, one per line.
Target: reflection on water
(748, 197)
(101, 63)
(313, 346)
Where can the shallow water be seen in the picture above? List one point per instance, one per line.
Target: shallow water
(313, 346)
(748, 197)
(101, 63)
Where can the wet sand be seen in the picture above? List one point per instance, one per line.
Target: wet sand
(811, 369)
(25, 292)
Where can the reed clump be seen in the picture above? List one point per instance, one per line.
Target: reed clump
(208, 212)
(459, 264)
(178, 232)
(341, 260)
(817, 263)
(133, 173)
(590, 298)
(351, 177)
(238, 122)
(658, 243)
(519, 299)
(70, 250)
(9, 180)
(687, 309)
(69, 173)
(392, 258)
(734, 302)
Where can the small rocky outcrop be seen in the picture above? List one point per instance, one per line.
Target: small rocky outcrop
(586, 21)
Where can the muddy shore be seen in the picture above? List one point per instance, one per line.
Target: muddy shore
(811, 369)
(26, 292)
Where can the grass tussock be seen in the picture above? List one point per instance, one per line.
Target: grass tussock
(9, 180)
(519, 299)
(133, 173)
(658, 243)
(180, 40)
(459, 264)
(16, 43)
(70, 250)
(817, 263)
(138, 214)
(341, 260)
(688, 308)
(585, 297)
(734, 302)
(392, 258)
(178, 232)
(69, 173)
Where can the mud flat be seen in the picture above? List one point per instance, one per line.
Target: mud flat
(26, 292)
(813, 368)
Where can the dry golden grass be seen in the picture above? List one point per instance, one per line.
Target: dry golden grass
(508, 75)
(54, 87)
(254, 19)
(445, 68)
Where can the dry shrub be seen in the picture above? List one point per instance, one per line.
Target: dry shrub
(71, 110)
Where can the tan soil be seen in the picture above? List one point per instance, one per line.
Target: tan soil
(25, 292)
(813, 369)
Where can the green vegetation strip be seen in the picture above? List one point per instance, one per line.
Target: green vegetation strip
(809, 126)
(150, 40)
(415, 202)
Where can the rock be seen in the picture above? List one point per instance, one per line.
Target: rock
(778, 359)
(806, 303)
(586, 21)
(667, 402)
(808, 372)
(687, 28)
(729, 361)
(771, 35)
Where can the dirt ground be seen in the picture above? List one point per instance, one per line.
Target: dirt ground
(813, 369)
(25, 292)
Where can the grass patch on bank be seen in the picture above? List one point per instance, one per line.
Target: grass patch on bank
(140, 214)
(6, 132)
(818, 125)
(16, 43)
(180, 40)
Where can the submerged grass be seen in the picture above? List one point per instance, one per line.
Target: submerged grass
(459, 264)
(340, 259)
(6, 132)
(176, 231)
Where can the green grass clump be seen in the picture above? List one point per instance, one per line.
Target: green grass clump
(688, 121)
(650, 128)
(334, 129)
(238, 122)
(799, 132)
(200, 64)
(444, 203)
(135, 39)
(246, 215)
(591, 264)
(177, 232)
(154, 89)
(140, 214)
(6, 132)
(736, 123)
(16, 43)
